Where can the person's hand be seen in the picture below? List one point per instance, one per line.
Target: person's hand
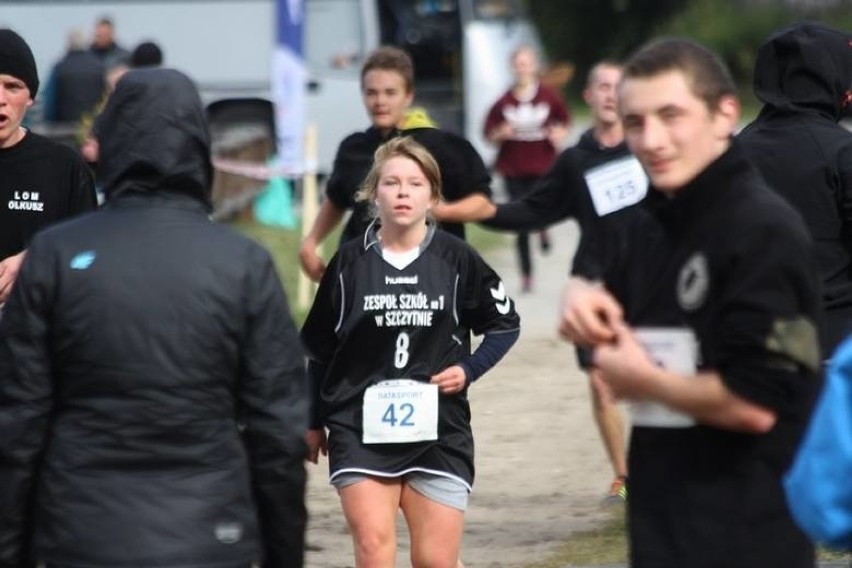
(624, 365)
(557, 134)
(589, 313)
(451, 380)
(312, 264)
(90, 149)
(504, 131)
(9, 269)
(317, 442)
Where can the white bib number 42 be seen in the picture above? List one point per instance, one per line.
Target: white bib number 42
(400, 411)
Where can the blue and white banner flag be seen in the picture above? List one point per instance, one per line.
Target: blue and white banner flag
(288, 85)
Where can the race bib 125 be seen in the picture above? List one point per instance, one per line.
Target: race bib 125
(617, 185)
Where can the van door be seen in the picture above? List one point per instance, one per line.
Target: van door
(431, 32)
(495, 29)
(338, 36)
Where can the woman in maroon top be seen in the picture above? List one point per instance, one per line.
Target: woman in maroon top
(528, 123)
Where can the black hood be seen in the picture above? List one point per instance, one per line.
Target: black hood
(806, 67)
(153, 137)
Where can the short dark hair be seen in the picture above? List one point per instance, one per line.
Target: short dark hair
(708, 77)
(146, 54)
(611, 63)
(390, 58)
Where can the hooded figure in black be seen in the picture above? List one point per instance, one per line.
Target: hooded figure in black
(803, 75)
(153, 398)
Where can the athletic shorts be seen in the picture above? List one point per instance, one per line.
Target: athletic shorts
(439, 488)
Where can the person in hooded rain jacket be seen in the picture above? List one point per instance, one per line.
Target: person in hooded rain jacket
(153, 401)
(803, 75)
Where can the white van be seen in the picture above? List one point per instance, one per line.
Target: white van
(460, 48)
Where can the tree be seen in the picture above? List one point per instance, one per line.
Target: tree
(585, 31)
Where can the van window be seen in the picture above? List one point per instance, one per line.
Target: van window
(334, 35)
(430, 31)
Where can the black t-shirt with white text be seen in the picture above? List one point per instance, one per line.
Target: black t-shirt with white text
(371, 321)
(41, 183)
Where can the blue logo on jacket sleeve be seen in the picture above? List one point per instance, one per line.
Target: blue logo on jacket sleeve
(83, 260)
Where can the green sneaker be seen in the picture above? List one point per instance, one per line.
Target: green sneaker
(617, 494)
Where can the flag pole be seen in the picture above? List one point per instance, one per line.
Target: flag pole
(310, 199)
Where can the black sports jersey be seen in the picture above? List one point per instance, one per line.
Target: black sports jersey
(566, 191)
(462, 172)
(371, 321)
(731, 261)
(563, 193)
(41, 182)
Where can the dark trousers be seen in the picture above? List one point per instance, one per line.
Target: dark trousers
(517, 188)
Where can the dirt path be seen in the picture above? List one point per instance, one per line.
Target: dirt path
(541, 469)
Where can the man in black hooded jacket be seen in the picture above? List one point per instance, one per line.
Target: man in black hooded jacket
(153, 401)
(803, 75)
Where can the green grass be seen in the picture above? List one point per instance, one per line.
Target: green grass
(607, 544)
(283, 245)
(825, 554)
(484, 240)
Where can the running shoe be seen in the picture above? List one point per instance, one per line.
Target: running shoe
(617, 494)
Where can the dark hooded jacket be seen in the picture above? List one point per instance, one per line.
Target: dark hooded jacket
(153, 396)
(803, 75)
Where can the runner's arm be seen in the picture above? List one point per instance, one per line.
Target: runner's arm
(494, 347)
(552, 199)
(628, 370)
(474, 207)
(327, 219)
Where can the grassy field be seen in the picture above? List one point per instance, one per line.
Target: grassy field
(607, 545)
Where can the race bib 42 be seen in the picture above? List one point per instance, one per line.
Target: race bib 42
(400, 411)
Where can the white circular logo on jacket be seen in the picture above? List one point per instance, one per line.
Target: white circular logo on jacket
(228, 532)
(693, 282)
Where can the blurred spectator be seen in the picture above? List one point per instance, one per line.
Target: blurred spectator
(528, 123)
(105, 46)
(41, 181)
(803, 76)
(76, 83)
(87, 133)
(146, 54)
